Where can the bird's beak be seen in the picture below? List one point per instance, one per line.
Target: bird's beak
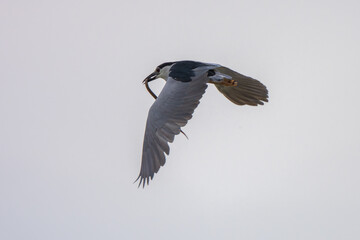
(151, 77)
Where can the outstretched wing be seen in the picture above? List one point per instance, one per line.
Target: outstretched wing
(171, 111)
(248, 90)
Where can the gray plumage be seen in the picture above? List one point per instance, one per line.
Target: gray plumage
(186, 82)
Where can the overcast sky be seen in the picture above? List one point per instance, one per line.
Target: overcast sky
(73, 112)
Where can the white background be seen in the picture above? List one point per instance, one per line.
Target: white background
(73, 112)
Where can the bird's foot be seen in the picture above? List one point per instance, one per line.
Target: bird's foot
(229, 82)
(224, 82)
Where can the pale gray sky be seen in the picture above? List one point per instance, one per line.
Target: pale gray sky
(73, 112)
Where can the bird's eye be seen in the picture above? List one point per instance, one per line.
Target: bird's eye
(157, 69)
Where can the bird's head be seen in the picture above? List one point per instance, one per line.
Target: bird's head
(161, 71)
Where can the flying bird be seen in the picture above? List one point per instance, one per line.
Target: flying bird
(186, 82)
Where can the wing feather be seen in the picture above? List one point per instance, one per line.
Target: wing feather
(170, 111)
(248, 90)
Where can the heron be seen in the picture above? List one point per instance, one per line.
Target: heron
(186, 82)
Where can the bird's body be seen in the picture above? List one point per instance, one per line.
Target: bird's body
(186, 82)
